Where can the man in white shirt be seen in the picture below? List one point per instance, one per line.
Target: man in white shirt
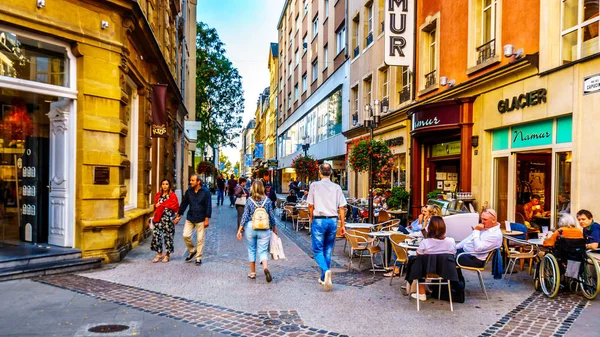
(326, 204)
(486, 236)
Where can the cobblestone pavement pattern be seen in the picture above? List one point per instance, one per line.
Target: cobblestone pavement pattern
(217, 297)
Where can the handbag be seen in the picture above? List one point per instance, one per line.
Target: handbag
(150, 224)
(241, 201)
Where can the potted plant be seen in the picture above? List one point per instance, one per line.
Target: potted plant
(399, 198)
(433, 194)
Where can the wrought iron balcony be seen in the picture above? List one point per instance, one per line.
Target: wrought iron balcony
(430, 80)
(369, 39)
(356, 51)
(405, 95)
(486, 51)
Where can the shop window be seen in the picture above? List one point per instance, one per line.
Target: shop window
(131, 147)
(562, 198)
(32, 60)
(533, 202)
(398, 177)
(501, 188)
(579, 26)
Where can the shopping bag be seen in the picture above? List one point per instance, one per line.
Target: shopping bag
(276, 247)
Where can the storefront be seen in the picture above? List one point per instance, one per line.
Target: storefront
(441, 141)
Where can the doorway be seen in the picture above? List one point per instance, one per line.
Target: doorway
(533, 181)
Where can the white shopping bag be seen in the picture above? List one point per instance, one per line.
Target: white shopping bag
(276, 248)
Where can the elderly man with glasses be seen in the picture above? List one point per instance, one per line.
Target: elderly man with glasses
(486, 236)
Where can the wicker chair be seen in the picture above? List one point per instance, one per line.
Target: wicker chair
(302, 218)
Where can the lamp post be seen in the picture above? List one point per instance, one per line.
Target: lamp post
(305, 144)
(371, 121)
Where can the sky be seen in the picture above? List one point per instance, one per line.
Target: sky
(246, 27)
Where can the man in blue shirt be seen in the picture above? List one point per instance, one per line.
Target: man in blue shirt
(591, 229)
(200, 208)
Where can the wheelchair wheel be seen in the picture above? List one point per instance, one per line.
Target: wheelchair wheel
(549, 276)
(588, 276)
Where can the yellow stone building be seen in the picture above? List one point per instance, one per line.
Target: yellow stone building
(271, 114)
(78, 165)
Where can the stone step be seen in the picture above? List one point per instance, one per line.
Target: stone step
(49, 268)
(22, 255)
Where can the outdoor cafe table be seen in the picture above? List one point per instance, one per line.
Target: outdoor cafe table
(537, 242)
(386, 235)
(359, 225)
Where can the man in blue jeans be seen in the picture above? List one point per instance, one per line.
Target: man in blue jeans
(326, 204)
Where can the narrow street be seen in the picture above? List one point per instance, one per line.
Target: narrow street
(180, 299)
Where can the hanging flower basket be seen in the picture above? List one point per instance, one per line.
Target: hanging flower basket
(205, 167)
(18, 125)
(383, 159)
(306, 166)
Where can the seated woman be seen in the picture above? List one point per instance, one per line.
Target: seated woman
(434, 243)
(567, 228)
(420, 224)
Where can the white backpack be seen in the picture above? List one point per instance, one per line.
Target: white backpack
(260, 218)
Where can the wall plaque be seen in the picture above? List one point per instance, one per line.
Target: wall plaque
(101, 175)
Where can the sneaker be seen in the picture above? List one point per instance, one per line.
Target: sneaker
(327, 282)
(422, 297)
(198, 263)
(190, 257)
(321, 282)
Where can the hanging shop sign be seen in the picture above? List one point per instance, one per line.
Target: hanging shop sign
(591, 84)
(398, 141)
(522, 101)
(159, 111)
(399, 32)
(445, 149)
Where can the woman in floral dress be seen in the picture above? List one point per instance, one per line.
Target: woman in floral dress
(166, 206)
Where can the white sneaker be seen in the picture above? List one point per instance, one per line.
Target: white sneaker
(422, 297)
(328, 285)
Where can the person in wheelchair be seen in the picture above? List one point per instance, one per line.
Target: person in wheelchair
(567, 228)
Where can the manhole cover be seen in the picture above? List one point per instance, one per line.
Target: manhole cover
(108, 328)
(290, 328)
(272, 322)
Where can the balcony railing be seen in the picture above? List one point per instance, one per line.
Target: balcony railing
(430, 80)
(486, 51)
(405, 95)
(356, 51)
(369, 39)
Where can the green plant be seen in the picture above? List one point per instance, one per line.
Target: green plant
(433, 194)
(399, 198)
(381, 154)
(205, 167)
(305, 166)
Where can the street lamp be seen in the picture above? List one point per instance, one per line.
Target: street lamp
(371, 121)
(306, 144)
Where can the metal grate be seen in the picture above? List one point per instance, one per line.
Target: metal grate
(405, 95)
(356, 51)
(430, 80)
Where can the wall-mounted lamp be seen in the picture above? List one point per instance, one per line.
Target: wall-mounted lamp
(509, 50)
(444, 81)
(104, 24)
(474, 141)
(41, 3)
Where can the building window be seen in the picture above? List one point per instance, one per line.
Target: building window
(325, 57)
(315, 26)
(355, 40)
(289, 100)
(304, 44)
(305, 7)
(131, 147)
(367, 91)
(381, 12)
(385, 84)
(291, 37)
(290, 69)
(403, 83)
(298, 23)
(369, 25)
(579, 25)
(315, 70)
(326, 9)
(304, 83)
(297, 57)
(296, 93)
(354, 98)
(340, 37)
(487, 48)
(429, 54)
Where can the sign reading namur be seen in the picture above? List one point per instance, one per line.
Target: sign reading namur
(399, 32)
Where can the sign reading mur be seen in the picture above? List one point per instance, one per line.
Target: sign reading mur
(399, 32)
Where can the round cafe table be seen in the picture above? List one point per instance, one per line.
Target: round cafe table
(512, 233)
(537, 242)
(407, 246)
(386, 235)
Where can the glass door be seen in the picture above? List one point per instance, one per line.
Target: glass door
(501, 188)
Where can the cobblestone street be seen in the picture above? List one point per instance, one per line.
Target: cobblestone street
(217, 298)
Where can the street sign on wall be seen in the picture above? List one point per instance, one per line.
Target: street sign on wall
(399, 27)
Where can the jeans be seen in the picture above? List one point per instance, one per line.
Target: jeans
(220, 196)
(232, 198)
(258, 242)
(323, 239)
(469, 260)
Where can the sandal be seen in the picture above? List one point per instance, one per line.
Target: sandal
(252, 276)
(396, 273)
(166, 258)
(157, 258)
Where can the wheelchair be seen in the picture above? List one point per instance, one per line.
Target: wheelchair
(567, 265)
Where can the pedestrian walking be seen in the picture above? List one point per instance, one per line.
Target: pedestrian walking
(231, 184)
(326, 204)
(166, 206)
(220, 189)
(258, 221)
(241, 195)
(200, 208)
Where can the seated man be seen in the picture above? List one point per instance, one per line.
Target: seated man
(304, 195)
(591, 229)
(533, 209)
(485, 237)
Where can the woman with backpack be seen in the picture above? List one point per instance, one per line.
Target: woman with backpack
(257, 222)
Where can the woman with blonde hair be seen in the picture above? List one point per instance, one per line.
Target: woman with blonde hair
(257, 239)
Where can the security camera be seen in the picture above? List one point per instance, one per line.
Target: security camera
(509, 51)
